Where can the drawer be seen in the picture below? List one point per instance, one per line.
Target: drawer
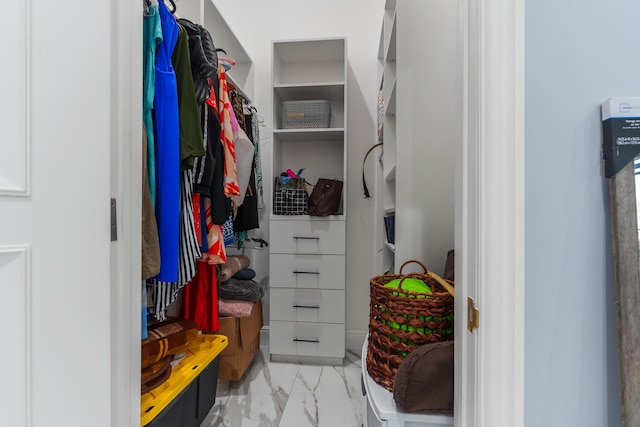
(307, 305)
(306, 339)
(307, 271)
(308, 237)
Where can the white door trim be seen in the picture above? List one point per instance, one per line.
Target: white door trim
(126, 187)
(490, 217)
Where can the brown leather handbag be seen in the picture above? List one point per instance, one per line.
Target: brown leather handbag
(325, 197)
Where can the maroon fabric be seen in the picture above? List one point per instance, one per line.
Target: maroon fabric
(424, 381)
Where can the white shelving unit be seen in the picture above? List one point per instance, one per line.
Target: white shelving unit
(307, 254)
(417, 71)
(418, 76)
(205, 13)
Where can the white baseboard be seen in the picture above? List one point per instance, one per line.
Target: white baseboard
(264, 336)
(355, 340)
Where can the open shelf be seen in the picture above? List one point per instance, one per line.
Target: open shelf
(390, 102)
(391, 45)
(391, 174)
(302, 135)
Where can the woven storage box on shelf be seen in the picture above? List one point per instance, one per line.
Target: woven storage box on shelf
(400, 320)
(306, 114)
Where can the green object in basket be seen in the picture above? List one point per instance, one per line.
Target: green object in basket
(413, 285)
(410, 284)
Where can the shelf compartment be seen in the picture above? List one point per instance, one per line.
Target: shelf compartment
(306, 91)
(390, 175)
(309, 61)
(304, 135)
(390, 101)
(391, 44)
(320, 157)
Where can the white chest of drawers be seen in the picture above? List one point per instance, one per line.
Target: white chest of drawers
(307, 296)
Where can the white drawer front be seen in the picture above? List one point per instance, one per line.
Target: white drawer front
(306, 339)
(308, 237)
(307, 305)
(307, 271)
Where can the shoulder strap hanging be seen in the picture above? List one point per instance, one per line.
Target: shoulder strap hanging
(364, 181)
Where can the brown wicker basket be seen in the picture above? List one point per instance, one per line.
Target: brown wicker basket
(401, 320)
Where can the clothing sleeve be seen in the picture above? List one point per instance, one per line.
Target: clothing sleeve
(191, 139)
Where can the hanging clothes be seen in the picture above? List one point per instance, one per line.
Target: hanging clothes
(244, 150)
(165, 293)
(226, 137)
(152, 36)
(167, 131)
(214, 164)
(246, 216)
(191, 144)
(216, 253)
(150, 246)
(257, 165)
(204, 60)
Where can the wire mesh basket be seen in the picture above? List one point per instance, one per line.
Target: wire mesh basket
(306, 114)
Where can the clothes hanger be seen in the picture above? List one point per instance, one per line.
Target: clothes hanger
(173, 5)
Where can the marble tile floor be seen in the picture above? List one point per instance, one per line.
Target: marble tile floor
(290, 395)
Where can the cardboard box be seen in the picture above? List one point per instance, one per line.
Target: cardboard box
(244, 343)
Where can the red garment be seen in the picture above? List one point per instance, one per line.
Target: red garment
(200, 298)
(196, 218)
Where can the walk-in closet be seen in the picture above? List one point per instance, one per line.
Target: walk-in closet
(238, 213)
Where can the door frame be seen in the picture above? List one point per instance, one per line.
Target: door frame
(126, 188)
(490, 216)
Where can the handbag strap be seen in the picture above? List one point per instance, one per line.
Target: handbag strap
(437, 278)
(444, 284)
(364, 181)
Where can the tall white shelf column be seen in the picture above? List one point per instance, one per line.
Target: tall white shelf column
(307, 254)
(418, 73)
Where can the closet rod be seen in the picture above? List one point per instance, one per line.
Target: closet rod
(238, 88)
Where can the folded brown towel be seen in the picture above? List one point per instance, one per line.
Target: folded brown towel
(234, 264)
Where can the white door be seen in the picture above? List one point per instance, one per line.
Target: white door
(56, 135)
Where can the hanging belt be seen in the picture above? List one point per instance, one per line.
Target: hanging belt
(364, 181)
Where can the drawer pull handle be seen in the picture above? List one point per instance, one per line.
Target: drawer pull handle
(306, 238)
(305, 272)
(306, 340)
(317, 307)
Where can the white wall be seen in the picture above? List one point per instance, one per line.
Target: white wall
(256, 24)
(577, 55)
